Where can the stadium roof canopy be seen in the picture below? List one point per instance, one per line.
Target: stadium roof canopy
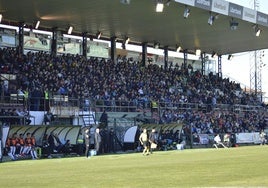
(139, 21)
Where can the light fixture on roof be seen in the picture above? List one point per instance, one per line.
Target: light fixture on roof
(233, 24)
(156, 45)
(211, 19)
(186, 12)
(197, 52)
(178, 48)
(127, 40)
(37, 24)
(70, 30)
(257, 30)
(230, 57)
(159, 6)
(125, 2)
(99, 35)
(123, 45)
(214, 54)
(1, 16)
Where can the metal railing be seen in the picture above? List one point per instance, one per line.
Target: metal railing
(69, 106)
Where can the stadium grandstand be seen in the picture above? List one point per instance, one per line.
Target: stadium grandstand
(63, 66)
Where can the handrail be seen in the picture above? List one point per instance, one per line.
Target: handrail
(6, 119)
(71, 105)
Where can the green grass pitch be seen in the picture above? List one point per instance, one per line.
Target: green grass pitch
(233, 167)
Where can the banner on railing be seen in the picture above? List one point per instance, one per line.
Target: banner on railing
(203, 139)
(246, 138)
(241, 138)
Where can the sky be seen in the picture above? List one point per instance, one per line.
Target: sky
(238, 69)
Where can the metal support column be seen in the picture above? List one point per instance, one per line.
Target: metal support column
(21, 38)
(144, 54)
(203, 62)
(185, 59)
(84, 44)
(166, 57)
(54, 42)
(113, 48)
(219, 67)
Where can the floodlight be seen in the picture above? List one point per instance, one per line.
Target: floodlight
(257, 30)
(1, 16)
(156, 45)
(233, 25)
(70, 30)
(126, 2)
(214, 54)
(178, 48)
(198, 52)
(98, 35)
(37, 24)
(127, 40)
(186, 12)
(159, 6)
(124, 42)
(230, 57)
(211, 19)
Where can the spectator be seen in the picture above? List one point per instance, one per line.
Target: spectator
(104, 119)
(48, 118)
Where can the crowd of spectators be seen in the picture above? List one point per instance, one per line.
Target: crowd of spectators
(223, 122)
(196, 123)
(128, 81)
(79, 77)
